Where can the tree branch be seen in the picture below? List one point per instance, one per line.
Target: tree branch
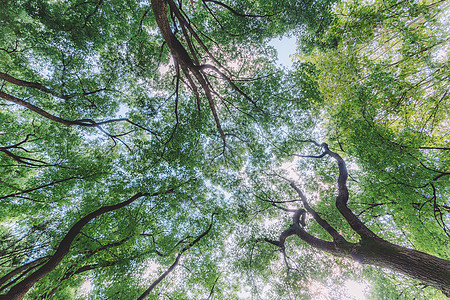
(34, 85)
(19, 290)
(40, 187)
(11, 274)
(337, 238)
(343, 195)
(175, 263)
(238, 13)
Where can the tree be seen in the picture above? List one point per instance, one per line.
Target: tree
(371, 249)
(178, 109)
(394, 112)
(385, 84)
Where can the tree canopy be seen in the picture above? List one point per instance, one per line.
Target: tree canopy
(155, 149)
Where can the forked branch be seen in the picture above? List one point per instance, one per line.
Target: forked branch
(337, 238)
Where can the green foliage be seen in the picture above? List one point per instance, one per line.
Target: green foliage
(94, 110)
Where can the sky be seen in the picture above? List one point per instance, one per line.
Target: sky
(286, 47)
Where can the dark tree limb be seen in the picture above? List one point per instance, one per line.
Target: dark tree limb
(39, 86)
(372, 250)
(342, 199)
(34, 85)
(229, 8)
(324, 224)
(36, 109)
(31, 162)
(230, 82)
(435, 148)
(186, 23)
(97, 7)
(160, 8)
(343, 195)
(27, 161)
(81, 122)
(317, 243)
(212, 289)
(80, 270)
(40, 187)
(160, 278)
(17, 271)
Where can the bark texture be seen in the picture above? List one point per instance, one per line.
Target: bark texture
(430, 270)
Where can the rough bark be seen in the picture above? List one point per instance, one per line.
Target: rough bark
(181, 56)
(428, 269)
(21, 269)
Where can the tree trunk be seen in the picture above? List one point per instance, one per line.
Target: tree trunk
(372, 249)
(428, 269)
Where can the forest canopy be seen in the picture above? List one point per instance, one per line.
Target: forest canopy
(156, 149)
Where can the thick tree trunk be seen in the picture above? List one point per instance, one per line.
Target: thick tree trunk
(372, 249)
(428, 269)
